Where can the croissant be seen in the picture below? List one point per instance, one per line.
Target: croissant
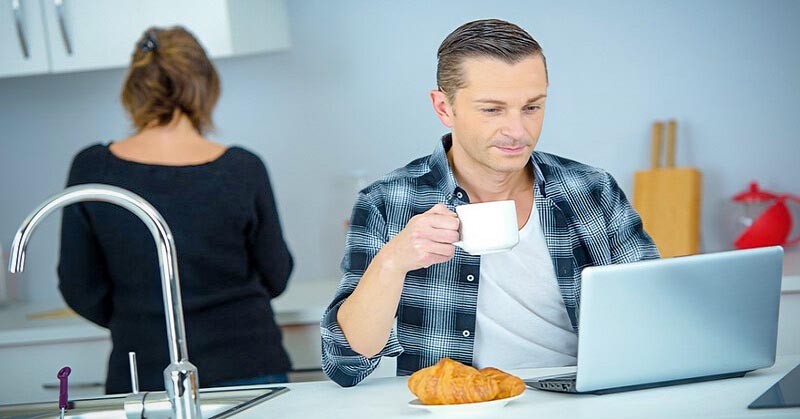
(510, 385)
(451, 382)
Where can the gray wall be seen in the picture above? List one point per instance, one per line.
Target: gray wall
(350, 100)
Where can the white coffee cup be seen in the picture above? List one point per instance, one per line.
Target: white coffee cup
(488, 227)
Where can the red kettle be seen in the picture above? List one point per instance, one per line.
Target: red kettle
(766, 220)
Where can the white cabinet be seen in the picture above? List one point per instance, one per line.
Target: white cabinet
(23, 50)
(36, 341)
(29, 370)
(79, 35)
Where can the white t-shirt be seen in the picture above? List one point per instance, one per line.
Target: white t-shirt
(521, 321)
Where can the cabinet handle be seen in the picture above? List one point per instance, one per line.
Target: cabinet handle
(74, 385)
(23, 44)
(62, 26)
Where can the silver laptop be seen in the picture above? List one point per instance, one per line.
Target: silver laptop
(671, 321)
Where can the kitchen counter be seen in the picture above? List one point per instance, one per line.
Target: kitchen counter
(34, 349)
(790, 284)
(301, 304)
(388, 398)
(37, 339)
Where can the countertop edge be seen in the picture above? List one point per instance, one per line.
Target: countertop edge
(287, 314)
(790, 284)
(301, 305)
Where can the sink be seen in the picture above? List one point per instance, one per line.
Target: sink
(216, 403)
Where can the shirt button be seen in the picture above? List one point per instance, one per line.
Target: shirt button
(465, 333)
(459, 195)
(470, 278)
(449, 196)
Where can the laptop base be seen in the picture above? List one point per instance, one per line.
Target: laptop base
(566, 383)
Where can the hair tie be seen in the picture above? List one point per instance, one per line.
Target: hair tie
(149, 43)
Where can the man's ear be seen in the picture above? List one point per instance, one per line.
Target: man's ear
(442, 107)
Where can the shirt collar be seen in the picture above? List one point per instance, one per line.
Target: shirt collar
(443, 173)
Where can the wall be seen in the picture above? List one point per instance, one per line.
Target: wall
(350, 99)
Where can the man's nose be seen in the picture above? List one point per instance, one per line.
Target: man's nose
(513, 127)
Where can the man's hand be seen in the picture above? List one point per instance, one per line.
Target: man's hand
(427, 239)
(367, 315)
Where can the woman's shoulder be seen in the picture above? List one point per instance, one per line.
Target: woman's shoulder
(87, 164)
(243, 154)
(244, 159)
(90, 157)
(91, 154)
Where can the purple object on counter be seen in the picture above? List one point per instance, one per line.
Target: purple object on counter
(63, 373)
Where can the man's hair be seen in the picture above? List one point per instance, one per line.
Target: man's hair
(170, 71)
(491, 38)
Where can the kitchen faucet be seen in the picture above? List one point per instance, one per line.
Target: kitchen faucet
(180, 376)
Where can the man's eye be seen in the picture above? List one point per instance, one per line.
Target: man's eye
(532, 108)
(490, 110)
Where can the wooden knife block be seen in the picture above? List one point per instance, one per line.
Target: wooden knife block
(668, 200)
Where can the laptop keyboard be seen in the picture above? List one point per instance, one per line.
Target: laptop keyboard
(560, 383)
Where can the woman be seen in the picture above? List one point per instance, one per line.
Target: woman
(219, 205)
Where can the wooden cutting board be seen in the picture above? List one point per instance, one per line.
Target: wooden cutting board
(668, 199)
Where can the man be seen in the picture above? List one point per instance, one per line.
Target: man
(400, 261)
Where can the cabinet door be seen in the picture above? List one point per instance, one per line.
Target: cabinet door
(258, 26)
(95, 34)
(22, 38)
(29, 371)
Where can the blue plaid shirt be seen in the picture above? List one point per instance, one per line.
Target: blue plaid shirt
(586, 221)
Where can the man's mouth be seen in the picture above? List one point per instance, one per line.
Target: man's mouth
(511, 149)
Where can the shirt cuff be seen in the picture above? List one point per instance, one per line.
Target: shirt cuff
(339, 361)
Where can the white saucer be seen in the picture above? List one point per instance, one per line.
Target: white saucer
(464, 408)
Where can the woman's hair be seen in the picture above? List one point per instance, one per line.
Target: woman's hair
(170, 71)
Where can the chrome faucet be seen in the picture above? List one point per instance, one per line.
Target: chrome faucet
(180, 376)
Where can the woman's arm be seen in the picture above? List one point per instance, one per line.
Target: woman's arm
(267, 247)
(83, 275)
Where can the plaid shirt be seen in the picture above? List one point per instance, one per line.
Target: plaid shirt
(586, 221)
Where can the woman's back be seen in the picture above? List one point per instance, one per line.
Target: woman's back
(231, 257)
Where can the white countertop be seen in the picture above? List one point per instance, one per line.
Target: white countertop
(389, 397)
(301, 304)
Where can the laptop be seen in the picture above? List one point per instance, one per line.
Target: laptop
(672, 321)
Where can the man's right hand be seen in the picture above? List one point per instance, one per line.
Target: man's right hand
(427, 239)
(367, 315)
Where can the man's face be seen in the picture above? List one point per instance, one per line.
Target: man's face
(497, 118)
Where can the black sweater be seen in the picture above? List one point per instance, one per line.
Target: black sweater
(232, 260)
